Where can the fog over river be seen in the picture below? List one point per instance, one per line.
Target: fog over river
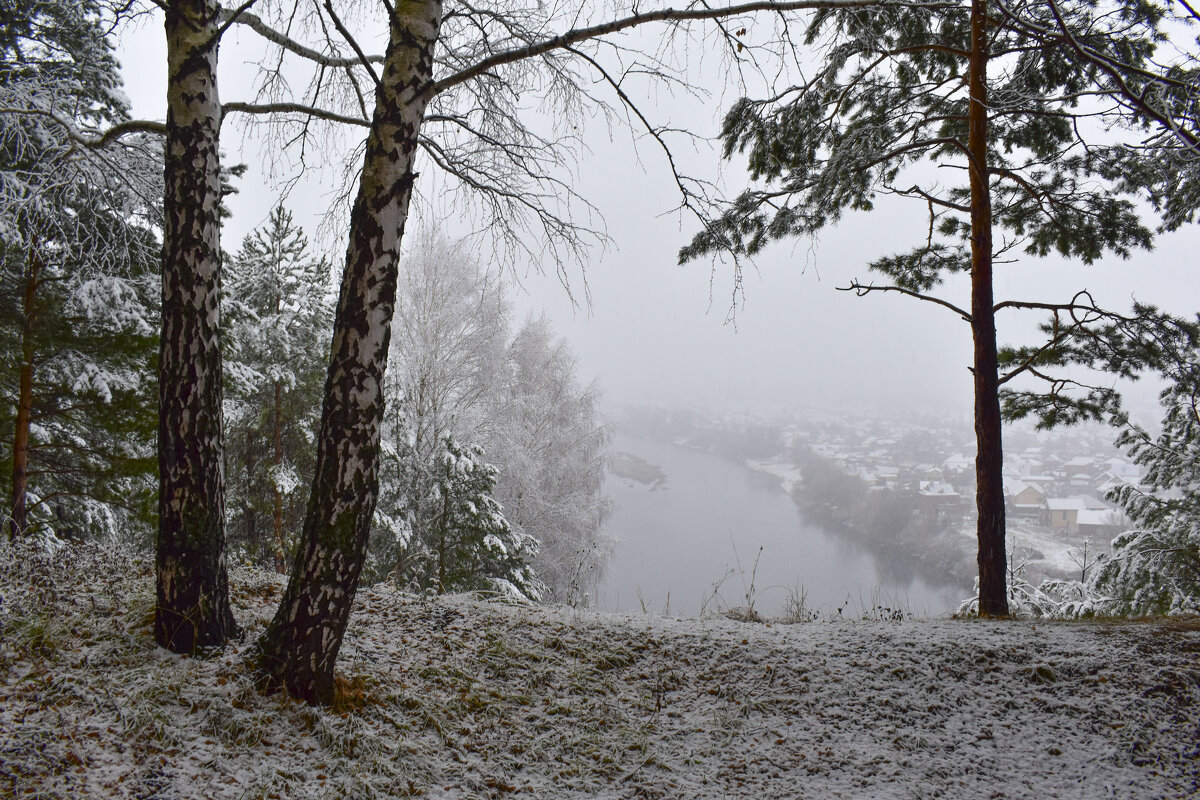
(704, 526)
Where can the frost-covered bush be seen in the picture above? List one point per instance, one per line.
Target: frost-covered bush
(1051, 599)
(1024, 600)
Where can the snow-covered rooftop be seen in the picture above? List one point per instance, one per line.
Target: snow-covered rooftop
(1065, 504)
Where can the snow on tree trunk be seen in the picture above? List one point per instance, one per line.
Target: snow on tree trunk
(18, 521)
(989, 459)
(300, 647)
(193, 597)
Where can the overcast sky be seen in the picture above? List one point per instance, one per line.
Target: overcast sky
(659, 332)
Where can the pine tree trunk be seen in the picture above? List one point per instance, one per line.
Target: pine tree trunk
(989, 460)
(193, 596)
(277, 440)
(300, 647)
(443, 526)
(248, 516)
(18, 522)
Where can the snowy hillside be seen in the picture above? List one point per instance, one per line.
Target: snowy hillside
(459, 697)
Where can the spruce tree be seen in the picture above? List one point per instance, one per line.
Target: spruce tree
(279, 309)
(469, 544)
(966, 90)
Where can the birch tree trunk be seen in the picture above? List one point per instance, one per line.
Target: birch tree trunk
(989, 458)
(300, 647)
(193, 596)
(18, 521)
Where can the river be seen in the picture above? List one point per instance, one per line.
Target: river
(690, 545)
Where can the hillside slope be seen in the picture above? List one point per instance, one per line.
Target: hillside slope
(458, 697)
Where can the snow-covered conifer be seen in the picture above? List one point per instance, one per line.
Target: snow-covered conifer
(77, 280)
(470, 543)
(279, 305)
(466, 374)
(1154, 568)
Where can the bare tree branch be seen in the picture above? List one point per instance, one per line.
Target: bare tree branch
(289, 44)
(572, 37)
(341, 28)
(294, 108)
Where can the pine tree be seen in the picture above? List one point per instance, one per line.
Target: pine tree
(966, 89)
(78, 281)
(279, 309)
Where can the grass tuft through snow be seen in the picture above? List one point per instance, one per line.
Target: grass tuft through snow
(460, 697)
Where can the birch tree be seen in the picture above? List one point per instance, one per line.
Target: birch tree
(547, 435)
(192, 586)
(457, 69)
(962, 89)
(192, 608)
(486, 52)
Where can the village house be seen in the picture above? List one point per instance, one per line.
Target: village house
(1026, 499)
(1063, 512)
(1069, 512)
(937, 494)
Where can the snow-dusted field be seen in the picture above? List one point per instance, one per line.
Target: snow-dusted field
(457, 698)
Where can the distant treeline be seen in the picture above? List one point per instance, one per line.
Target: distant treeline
(892, 525)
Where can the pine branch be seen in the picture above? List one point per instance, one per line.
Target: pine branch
(78, 137)
(864, 289)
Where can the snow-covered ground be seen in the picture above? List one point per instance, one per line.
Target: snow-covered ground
(1039, 551)
(458, 697)
(1060, 556)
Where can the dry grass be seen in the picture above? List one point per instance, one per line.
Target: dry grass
(458, 697)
